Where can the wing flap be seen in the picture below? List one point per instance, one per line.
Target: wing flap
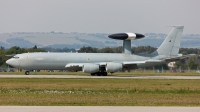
(74, 65)
(142, 62)
(132, 62)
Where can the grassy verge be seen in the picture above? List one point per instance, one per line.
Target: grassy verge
(108, 92)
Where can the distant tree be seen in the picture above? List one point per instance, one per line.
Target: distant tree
(191, 63)
(143, 49)
(189, 51)
(2, 48)
(3, 57)
(118, 49)
(16, 50)
(35, 47)
(35, 50)
(106, 50)
(2, 52)
(49, 49)
(88, 50)
(181, 64)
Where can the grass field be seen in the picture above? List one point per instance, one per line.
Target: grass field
(99, 92)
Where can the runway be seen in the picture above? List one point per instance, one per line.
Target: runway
(106, 77)
(96, 109)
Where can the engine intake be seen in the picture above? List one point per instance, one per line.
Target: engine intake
(90, 68)
(113, 67)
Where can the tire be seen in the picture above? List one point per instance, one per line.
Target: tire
(105, 73)
(99, 74)
(27, 72)
(92, 74)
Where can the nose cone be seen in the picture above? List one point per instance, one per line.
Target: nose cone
(12, 62)
(8, 62)
(119, 36)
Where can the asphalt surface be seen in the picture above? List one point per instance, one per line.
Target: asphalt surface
(96, 109)
(117, 77)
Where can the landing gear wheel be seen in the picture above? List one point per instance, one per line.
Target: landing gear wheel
(26, 72)
(92, 74)
(99, 74)
(105, 73)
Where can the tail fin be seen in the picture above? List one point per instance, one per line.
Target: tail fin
(171, 44)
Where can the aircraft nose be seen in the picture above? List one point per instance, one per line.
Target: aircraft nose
(8, 62)
(12, 63)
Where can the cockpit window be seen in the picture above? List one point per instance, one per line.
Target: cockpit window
(15, 57)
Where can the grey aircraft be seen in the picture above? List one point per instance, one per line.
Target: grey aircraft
(102, 63)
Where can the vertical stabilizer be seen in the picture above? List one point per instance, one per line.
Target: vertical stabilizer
(171, 44)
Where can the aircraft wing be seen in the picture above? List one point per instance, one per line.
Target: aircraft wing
(141, 62)
(79, 66)
(74, 66)
(132, 62)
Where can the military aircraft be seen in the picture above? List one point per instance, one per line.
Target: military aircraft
(102, 63)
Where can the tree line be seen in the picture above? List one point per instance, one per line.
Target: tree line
(139, 49)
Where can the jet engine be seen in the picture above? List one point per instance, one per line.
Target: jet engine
(126, 36)
(113, 67)
(90, 68)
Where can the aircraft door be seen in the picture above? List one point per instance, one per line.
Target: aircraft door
(27, 61)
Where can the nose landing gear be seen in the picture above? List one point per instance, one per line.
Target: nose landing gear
(27, 72)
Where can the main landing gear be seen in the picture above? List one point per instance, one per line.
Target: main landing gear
(99, 74)
(27, 72)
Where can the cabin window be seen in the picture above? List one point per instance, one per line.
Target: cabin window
(15, 57)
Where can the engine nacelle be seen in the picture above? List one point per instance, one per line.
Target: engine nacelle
(126, 36)
(113, 67)
(90, 68)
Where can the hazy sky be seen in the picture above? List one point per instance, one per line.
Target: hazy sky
(99, 16)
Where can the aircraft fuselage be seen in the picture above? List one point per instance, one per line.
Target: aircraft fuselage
(58, 61)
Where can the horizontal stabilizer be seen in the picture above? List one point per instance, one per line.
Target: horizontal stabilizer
(179, 58)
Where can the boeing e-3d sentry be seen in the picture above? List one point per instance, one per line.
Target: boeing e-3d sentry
(102, 63)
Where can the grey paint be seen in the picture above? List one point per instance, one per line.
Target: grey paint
(127, 46)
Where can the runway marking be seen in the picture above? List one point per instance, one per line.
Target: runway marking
(106, 77)
(96, 109)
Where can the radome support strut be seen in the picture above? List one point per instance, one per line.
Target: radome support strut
(126, 46)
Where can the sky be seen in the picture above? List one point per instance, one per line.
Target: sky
(99, 16)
